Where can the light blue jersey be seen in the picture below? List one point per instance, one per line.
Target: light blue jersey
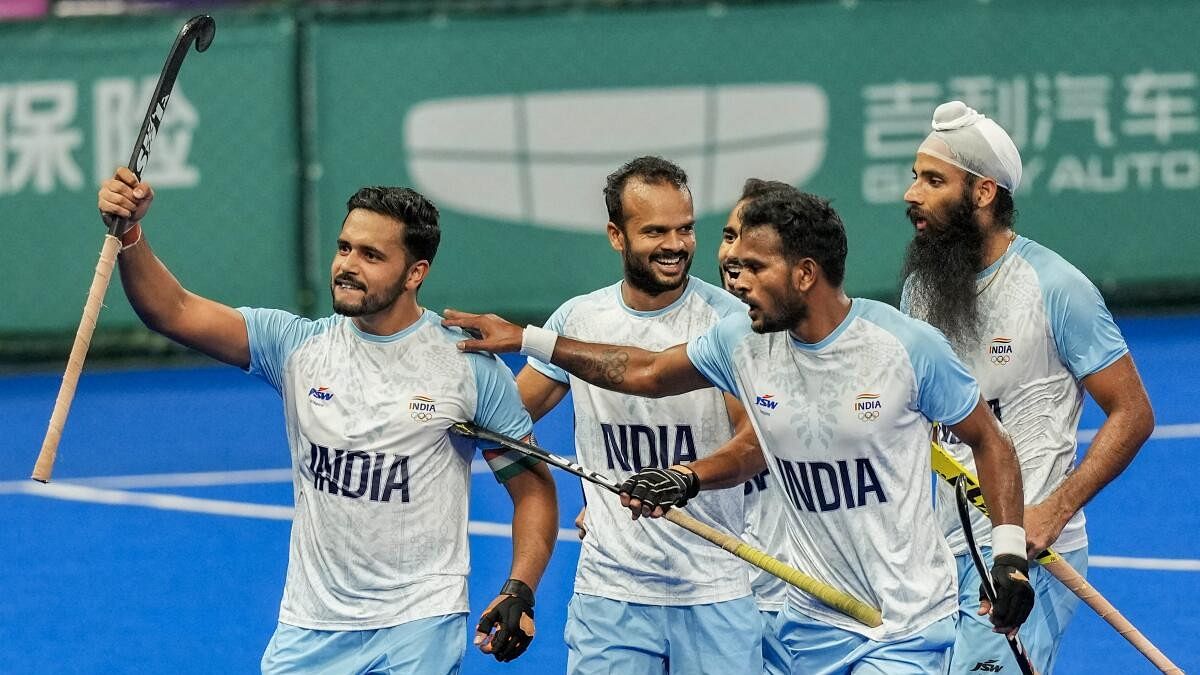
(846, 424)
(1044, 327)
(650, 561)
(650, 597)
(379, 536)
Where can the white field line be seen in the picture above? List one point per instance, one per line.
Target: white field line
(186, 479)
(115, 490)
(95, 495)
(1161, 431)
(1164, 564)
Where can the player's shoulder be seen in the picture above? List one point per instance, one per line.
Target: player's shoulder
(1054, 272)
(721, 301)
(605, 297)
(448, 337)
(264, 322)
(914, 334)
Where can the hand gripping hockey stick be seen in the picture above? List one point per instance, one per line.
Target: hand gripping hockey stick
(989, 590)
(949, 468)
(198, 29)
(832, 597)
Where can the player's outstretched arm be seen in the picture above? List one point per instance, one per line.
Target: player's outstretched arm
(506, 627)
(1119, 391)
(160, 301)
(627, 370)
(1000, 478)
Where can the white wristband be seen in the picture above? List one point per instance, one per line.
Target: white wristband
(538, 343)
(1008, 539)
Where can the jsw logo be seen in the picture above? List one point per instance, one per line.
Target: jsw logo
(151, 132)
(321, 394)
(989, 666)
(765, 401)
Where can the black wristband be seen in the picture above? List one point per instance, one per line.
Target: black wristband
(519, 589)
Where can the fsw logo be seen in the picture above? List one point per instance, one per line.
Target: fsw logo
(766, 402)
(989, 666)
(868, 407)
(1000, 351)
(320, 395)
(421, 408)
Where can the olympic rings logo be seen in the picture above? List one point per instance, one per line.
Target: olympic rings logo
(868, 416)
(422, 416)
(1001, 359)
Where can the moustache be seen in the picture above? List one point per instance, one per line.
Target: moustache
(914, 214)
(349, 281)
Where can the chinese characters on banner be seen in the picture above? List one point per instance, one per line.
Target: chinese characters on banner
(42, 134)
(1142, 129)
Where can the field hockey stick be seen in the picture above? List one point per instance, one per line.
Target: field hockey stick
(949, 468)
(989, 589)
(198, 29)
(828, 595)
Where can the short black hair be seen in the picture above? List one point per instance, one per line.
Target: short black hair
(807, 225)
(418, 215)
(650, 170)
(757, 187)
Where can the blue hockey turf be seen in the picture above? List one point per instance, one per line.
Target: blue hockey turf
(161, 545)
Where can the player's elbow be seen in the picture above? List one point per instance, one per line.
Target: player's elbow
(1142, 415)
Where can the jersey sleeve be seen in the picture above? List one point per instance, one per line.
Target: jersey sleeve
(1085, 334)
(273, 334)
(498, 408)
(556, 322)
(712, 352)
(946, 391)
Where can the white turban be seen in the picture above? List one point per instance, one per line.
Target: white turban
(972, 142)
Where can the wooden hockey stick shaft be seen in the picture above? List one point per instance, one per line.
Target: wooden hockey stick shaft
(83, 339)
(198, 31)
(828, 595)
(949, 468)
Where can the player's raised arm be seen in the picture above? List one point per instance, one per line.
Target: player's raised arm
(628, 370)
(160, 301)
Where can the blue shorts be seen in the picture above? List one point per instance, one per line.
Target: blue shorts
(606, 636)
(814, 647)
(435, 646)
(773, 651)
(977, 647)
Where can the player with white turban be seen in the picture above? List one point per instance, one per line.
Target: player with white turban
(1035, 333)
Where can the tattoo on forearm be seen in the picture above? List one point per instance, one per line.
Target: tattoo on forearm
(608, 367)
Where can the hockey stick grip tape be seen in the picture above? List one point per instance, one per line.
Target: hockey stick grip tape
(830, 596)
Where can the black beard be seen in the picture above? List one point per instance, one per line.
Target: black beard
(787, 319)
(371, 303)
(642, 277)
(940, 268)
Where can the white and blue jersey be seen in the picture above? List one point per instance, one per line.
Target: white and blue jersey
(1044, 327)
(766, 530)
(649, 561)
(379, 536)
(845, 425)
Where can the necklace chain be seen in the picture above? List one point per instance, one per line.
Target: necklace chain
(1003, 260)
